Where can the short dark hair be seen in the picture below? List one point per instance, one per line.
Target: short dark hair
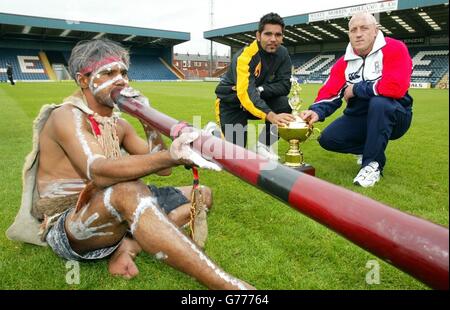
(271, 18)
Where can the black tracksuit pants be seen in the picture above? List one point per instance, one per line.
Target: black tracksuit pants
(368, 134)
(234, 121)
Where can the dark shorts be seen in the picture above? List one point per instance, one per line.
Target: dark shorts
(59, 242)
(169, 198)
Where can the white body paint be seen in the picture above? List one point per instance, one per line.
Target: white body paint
(156, 149)
(78, 115)
(90, 161)
(109, 207)
(151, 137)
(81, 230)
(161, 256)
(61, 187)
(150, 203)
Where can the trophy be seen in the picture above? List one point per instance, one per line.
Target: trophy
(296, 132)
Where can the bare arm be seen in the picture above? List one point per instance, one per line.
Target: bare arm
(71, 131)
(135, 145)
(154, 138)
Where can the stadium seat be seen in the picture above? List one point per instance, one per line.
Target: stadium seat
(313, 66)
(146, 68)
(25, 63)
(430, 65)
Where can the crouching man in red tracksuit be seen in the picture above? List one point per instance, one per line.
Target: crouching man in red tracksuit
(373, 77)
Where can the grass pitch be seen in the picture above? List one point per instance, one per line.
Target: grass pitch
(251, 235)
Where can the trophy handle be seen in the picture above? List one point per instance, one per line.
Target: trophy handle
(314, 133)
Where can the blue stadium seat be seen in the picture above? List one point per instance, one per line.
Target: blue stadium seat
(314, 66)
(430, 64)
(25, 64)
(144, 67)
(57, 57)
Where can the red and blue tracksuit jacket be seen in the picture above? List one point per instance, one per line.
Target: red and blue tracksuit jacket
(385, 71)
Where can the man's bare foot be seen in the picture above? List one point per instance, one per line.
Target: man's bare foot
(122, 261)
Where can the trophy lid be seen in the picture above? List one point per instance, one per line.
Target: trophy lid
(298, 123)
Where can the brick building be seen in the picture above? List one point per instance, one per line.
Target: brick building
(196, 66)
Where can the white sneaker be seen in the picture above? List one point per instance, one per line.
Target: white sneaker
(368, 175)
(266, 151)
(359, 159)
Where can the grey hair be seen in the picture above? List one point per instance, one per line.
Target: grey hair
(366, 15)
(88, 52)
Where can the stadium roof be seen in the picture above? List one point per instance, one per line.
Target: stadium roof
(15, 27)
(397, 18)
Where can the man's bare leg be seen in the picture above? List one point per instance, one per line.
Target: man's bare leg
(151, 228)
(182, 215)
(122, 263)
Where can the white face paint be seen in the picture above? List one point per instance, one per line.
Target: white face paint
(107, 84)
(96, 87)
(150, 203)
(78, 116)
(81, 231)
(108, 205)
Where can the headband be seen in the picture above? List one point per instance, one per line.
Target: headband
(93, 66)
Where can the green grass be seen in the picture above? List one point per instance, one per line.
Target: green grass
(251, 235)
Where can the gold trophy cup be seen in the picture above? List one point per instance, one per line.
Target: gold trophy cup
(296, 132)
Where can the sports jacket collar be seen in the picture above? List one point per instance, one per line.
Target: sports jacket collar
(379, 43)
